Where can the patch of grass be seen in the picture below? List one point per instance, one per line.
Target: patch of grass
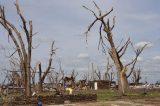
(153, 94)
(101, 94)
(147, 94)
(106, 94)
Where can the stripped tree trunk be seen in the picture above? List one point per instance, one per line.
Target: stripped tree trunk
(123, 82)
(24, 51)
(115, 52)
(49, 67)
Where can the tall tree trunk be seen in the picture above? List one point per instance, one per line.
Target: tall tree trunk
(52, 52)
(116, 52)
(122, 83)
(121, 71)
(28, 82)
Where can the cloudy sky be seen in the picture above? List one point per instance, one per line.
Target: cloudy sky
(65, 21)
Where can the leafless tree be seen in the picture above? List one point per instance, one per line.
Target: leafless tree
(51, 78)
(98, 73)
(33, 74)
(14, 70)
(136, 76)
(74, 74)
(47, 70)
(22, 40)
(84, 77)
(24, 50)
(93, 72)
(61, 71)
(115, 52)
(55, 79)
(109, 74)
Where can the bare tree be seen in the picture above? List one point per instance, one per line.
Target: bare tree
(33, 74)
(109, 74)
(136, 76)
(24, 50)
(98, 73)
(62, 72)
(49, 67)
(74, 74)
(15, 76)
(55, 78)
(51, 78)
(13, 69)
(84, 77)
(115, 52)
(22, 40)
(93, 72)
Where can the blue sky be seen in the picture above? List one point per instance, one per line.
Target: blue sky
(65, 22)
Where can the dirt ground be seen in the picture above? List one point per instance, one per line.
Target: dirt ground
(108, 103)
(119, 102)
(110, 98)
(111, 103)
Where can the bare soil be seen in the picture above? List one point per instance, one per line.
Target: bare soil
(147, 101)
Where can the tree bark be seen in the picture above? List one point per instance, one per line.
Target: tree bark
(122, 83)
(42, 77)
(115, 51)
(24, 50)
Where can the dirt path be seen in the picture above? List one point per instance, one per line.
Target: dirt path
(108, 103)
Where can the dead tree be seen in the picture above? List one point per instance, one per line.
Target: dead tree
(49, 67)
(24, 50)
(62, 72)
(33, 73)
(74, 74)
(98, 73)
(51, 78)
(83, 82)
(93, 72)
(109, 74)
(115, 52)
(16, 79)
(56, 78)
(15, 76)
(136, 76)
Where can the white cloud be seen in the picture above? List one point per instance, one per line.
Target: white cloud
(156, 58)
(83, 56)
(142, 43)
